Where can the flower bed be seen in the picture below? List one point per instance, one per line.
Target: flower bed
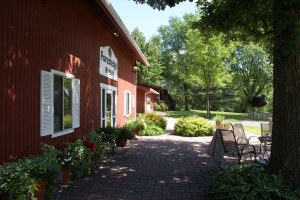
(19, 180)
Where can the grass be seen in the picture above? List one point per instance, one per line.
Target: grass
(253, 129)
(229, 116)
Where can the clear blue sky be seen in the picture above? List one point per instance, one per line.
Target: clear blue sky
(145, 18)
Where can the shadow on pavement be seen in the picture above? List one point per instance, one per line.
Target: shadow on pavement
(149, 169)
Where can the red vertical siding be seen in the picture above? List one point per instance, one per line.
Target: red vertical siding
(63, 35)
(140, 101)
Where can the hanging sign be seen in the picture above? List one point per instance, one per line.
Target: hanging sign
(108, 63)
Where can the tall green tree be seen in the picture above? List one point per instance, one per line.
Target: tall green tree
(252, 72)
(176, 73)
(151, 75)
(274, 22)
(207, 60)
(276, 25)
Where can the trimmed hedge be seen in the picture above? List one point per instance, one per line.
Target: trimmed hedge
(151, 130)
(155, 119)
(193, 127)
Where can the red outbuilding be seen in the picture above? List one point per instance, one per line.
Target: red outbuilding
(146, 97)
(66, 65)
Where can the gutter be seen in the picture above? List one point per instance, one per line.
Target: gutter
(120, 23)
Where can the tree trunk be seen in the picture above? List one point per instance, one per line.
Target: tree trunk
(207, 105)
(285, 155)
(186, 102)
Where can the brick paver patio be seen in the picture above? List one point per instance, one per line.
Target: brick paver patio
(162, 167)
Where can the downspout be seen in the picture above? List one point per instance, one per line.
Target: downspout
(146, 100)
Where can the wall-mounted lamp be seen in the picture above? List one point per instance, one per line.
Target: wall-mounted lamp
(116, 34)
(135, 68)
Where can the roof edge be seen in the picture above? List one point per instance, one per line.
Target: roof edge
(116, 17)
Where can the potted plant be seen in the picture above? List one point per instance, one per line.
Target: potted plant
(108, 137)
(219, 120)
(16, 182)
(135, 125)
(45, 170)
(123, 134)
(66, 161)
(79, 153)
(92, 149)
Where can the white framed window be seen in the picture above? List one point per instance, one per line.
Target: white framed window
(127, 103)
(60, 103)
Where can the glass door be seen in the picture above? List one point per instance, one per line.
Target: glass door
(108, 113)
(108, 107)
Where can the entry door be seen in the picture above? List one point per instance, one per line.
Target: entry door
(108, 108)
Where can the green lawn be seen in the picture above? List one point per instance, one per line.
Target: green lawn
(229, 116)
(253, 129)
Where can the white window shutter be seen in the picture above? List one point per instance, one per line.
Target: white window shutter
(125, 104)
(76, 103)
(46, 104)
(130, 103)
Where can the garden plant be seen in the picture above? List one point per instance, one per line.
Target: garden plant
(193, 126)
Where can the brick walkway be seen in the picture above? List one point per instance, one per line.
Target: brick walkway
(162, 167)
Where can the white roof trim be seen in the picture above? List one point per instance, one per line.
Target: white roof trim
(153, 91)
(116, 17)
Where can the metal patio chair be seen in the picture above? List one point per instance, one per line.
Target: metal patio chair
(265, 139)
(240, 135)
(233, 147)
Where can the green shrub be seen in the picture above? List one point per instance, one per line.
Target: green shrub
(15, 180)
(157, 107)
(161, 107)
(124, 133)
(151, 130)
(193, 127)
(135, 123)
(68, 121)
(245, 182)
(107, 134)
(154, 118)
(164, 107)
(18, 179)
(79, 152)
(95, 138)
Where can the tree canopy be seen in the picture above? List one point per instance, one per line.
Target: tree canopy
(276, 25)
(152, 49)
(252, 72)
(207, 60)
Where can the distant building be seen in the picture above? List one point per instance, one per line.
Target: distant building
(66, 66)
(147, 95)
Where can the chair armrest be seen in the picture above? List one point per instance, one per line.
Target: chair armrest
(254, 140)
(242, 140)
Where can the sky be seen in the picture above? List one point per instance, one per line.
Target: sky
(145, 18)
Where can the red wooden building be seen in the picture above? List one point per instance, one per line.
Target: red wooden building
(65, 65)
(146, 97)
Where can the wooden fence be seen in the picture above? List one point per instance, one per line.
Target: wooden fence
(259, 116)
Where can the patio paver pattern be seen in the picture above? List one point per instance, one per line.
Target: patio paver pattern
(162, 167)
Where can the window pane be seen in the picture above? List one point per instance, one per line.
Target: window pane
(102, 117)
(108, 109)
(127, 103)
(58, 105)
(67, 103)
(114, 103)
